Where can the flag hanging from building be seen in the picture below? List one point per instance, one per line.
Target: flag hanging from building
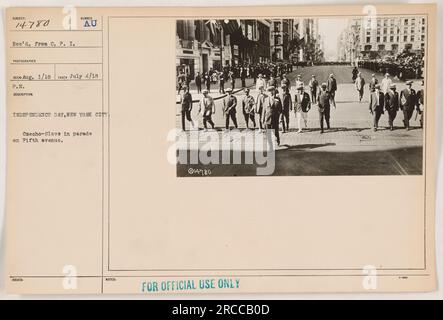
(229, 26)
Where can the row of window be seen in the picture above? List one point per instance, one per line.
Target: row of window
(394, 47)
(397, 30)
(392, 21)
(411, 38)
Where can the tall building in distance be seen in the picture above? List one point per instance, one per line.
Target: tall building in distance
(372, 38)
(282, 34)
(310, 46)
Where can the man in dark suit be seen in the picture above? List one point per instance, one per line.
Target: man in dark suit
(408, 102)
(229, 108)
(208, 81)
(392, 104)
(198, 82)
(324, 106)
(313, 85)
(248, 106)
(332, 88)
(181, 80)
(271, 113)
(376, 105)
(421, 103)
(243, 74)
(286, 107)
(302, 104)
(221, 80)
(186, 102)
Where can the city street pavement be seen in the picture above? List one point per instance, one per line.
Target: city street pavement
(350, 147)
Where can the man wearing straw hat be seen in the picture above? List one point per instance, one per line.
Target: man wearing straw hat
(408, 100)
(271, 112)
(376, 105)
(207, 109)
(248, 106)
(302, 104)
(392, 104)
(229, 108)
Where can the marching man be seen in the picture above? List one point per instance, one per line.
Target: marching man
(259, 105)
(207, 109)
(302, 104)
(186, 102)
(408, 100)
(286, 106)
(421, 103)
(271, 113)
(376, 105)
(248, 105)
(392, 105)
(360, 86)
(324, 106)
(229, 108)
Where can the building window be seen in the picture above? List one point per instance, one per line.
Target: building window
(405, 38)
(413, 21)
(423, 21)
(423, 37)
(385, 30)
(406, 22)
(412, 38)
(384, 39)
(368, 39)
(423, 29)
(378, 39)
(391, 39)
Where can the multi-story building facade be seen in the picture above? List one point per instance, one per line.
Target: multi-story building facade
(198, 49)
(251, 42)
(393, 34)
(202, 44)
(282, 33)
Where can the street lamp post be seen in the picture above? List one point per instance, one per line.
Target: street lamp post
(221, 47)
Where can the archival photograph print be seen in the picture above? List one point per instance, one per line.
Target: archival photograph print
(301, 97)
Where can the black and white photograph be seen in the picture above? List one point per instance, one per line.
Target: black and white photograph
(301, 96)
